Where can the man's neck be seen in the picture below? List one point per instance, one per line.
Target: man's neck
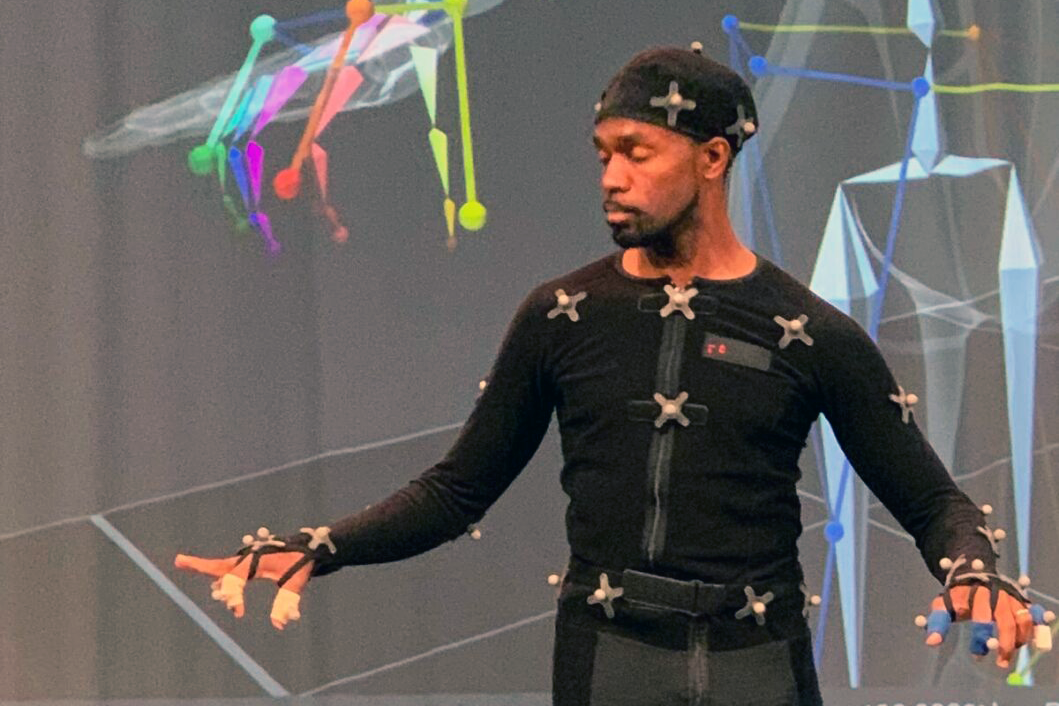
(716, 253)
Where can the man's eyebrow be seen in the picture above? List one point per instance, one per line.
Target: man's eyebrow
(623, 141)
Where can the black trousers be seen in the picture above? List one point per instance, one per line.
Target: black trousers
(679, 642)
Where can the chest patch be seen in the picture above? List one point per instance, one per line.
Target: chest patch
(736, 352)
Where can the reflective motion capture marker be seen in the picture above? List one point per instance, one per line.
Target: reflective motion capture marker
(906, 402)
(264, 539)
(755, 605)
(742, 128)
(320, 536)
(793, 330)
(673, 103)
(605, 595)
(812, 600)
(566, 304)
(679, 300)
(671, 410)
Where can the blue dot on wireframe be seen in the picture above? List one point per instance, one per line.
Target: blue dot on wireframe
(758, 65)
(730, 23)
(920, 87)
(834, 531)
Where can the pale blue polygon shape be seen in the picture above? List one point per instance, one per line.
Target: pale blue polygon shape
(889, 174)
(957, 166)
(944, 335)
(921, 20)
(1020, 260)
(849, 506)
(945, 323)
(944, 358)
(1019, 249)
(843, 276)
(944, 365)
(950, 165)
(928, 142)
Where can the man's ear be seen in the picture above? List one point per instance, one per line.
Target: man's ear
(713, 157)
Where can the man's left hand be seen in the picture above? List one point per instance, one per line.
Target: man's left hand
(1014, 624)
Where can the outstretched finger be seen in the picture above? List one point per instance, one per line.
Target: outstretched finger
(983, 629)
(209, 567)
(285, 608)
(1006, 629)
(937, 624)
(1023, 626)
(961, 601)
(229, 591)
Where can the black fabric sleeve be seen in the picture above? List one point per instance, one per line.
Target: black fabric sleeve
(499, 438)
(892, 457)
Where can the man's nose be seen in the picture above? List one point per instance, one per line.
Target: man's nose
(615, 176)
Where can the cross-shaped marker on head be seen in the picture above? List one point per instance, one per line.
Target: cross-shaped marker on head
(673, 103)
(566, 304)
(742, 128)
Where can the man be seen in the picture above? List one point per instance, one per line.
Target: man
(685, 372)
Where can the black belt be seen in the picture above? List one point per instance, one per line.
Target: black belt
(692, 597)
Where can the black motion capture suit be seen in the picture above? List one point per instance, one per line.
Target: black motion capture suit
(682, 414)
(705, 491)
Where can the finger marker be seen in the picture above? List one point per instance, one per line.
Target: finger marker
(285, 608)
(230, 591)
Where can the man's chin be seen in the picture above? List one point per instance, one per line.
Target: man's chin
(625, 238)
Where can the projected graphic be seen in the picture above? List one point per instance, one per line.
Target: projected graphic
(369, 63)
(845, 276)
(870, 173)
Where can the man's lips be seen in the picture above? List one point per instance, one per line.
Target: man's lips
(617, 212)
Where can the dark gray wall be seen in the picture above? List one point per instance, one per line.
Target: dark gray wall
(147, 350)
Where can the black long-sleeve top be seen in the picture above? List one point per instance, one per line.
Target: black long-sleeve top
(682, 414)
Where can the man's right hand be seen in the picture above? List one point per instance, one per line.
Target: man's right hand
(231, 573)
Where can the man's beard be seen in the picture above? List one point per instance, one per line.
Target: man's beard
(664, 241)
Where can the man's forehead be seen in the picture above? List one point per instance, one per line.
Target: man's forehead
(627, 130)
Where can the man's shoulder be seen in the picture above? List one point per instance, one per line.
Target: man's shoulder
(790, 288)
(574, 282)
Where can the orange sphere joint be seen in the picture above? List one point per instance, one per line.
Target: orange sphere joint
(287, 183)
(359, 11)
(974, 33)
